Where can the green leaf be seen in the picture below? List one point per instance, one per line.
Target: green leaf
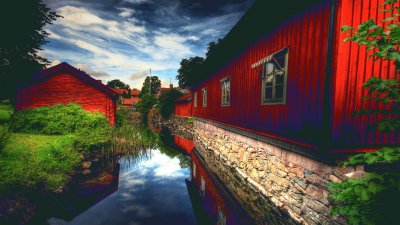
(388, 19)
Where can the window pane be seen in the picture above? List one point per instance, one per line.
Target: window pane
(268, 92)
(279, 91)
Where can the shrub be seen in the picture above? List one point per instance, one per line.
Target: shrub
(4, 135)
(166, 100)
(57, 119)
(146, 103)
(90, 139)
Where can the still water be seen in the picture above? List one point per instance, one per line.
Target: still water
(150, 190)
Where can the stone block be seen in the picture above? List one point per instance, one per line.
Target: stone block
(317, 193)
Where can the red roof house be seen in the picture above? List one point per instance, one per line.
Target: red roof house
(183, 105)
(63, 84)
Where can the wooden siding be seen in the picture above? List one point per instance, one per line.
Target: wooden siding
(183, 109)
(65, 88)
(305, 35)
(352, 68)
(183, 144)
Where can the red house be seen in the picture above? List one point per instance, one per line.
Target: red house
(63, 84)
(283, 72)
(183, 106)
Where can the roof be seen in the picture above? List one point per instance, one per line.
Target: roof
(184, 98)
(120, 91)
(65, 67)
(129, 101)
(135, 92)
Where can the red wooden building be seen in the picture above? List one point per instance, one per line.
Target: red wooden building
(63, 84)
(183, 106)
(183, 144)
(283, 72)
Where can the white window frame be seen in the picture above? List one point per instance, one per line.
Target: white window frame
(204, 96)
(221, 217)
(274, 101)
(194, 170)
(202, 187)
(195, 99)
(225, 95)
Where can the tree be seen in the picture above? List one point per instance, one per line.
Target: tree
(23, 35)
(189, 74)
(166, 102)
(116, 83)
(155, 86)
(373, 198)
(212, 46)
(146, 103)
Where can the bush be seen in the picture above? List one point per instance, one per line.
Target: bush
(146, 103)
(57, 119)
(166, 100)
(90, 139)
(4, 135)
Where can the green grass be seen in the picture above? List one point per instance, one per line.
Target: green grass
(37, 161)
(5, 111)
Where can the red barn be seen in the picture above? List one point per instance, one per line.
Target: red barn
(283, 72)
(63, 84)
(183, 106)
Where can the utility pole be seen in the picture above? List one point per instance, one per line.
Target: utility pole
(150, 82)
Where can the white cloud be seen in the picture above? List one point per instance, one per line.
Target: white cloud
(125, 12)
(92, 72)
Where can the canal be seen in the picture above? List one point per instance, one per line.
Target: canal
(163, 183)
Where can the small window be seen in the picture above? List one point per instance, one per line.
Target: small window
(274, 75)
(194, 170)
(203, 187)
(195, 99)
(225, 91)
(221, 217)
(204, 92)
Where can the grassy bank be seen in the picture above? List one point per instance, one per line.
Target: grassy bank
(37, 161)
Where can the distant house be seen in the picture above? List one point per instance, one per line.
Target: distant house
(63, 84)
(183, 106)
(120, 92)
(164, 89)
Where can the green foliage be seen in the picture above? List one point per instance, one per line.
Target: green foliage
(166, 102)
(37, 161)
(116, 83)
(389, 155)
(4, 135)
(154, 85)
(127, 94)
(146, 103)
(189, 74)
(58, 119)
(372, 199)
(6, 111)
(191, 120)
(20, 45)
(92, 138)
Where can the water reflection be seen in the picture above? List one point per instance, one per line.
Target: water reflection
(151, 192)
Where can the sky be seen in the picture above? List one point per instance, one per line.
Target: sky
(123, 39)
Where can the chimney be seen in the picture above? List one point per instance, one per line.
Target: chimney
(171, 86)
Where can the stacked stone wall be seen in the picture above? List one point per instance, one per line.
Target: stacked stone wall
(292, 183)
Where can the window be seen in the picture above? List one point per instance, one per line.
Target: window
(194, 170)
(274, 76)
(195, 99)
(225, 91)
(204, 92)
(203, 187)
(221, 217)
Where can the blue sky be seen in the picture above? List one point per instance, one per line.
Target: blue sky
(122, 39)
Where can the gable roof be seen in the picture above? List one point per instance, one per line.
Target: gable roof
(184, 98)
(135, 92)
(65, 67)
(120, 91)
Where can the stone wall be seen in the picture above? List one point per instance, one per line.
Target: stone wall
(181, 126)
(289, 182)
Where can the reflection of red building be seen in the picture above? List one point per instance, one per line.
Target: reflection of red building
(183, 105)
(183, 144)
(216, 203)
(63, 84)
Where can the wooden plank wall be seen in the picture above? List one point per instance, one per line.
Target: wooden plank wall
(352, 68)
(65, 88)
(300, 118)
